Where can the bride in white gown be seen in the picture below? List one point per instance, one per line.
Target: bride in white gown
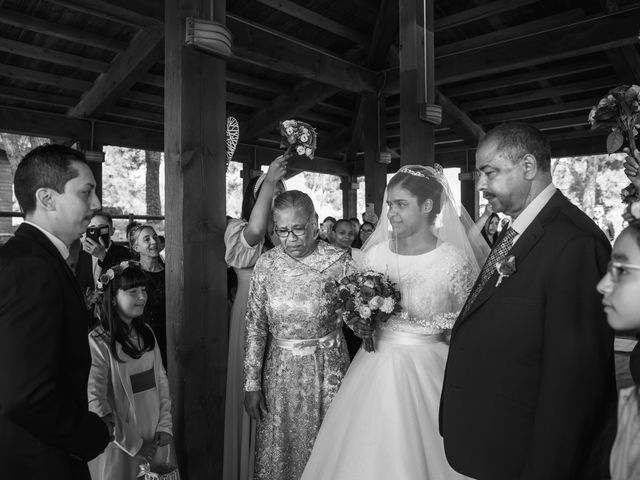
(383, 423)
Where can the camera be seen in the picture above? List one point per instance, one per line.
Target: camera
(95, 233)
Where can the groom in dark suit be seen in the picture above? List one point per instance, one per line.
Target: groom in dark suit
(529, 382)
(46, 430)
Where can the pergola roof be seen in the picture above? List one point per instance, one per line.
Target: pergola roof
(543, 61)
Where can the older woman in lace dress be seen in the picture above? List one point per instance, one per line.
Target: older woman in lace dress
(289, 389)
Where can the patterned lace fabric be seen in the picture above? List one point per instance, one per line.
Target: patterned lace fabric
(287, 300)
(434, 286)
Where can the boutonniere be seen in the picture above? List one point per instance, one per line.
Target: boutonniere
(505, 267)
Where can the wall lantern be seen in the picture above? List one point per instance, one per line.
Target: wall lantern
(208, 36)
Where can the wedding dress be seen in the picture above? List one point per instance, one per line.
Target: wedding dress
(383, 422)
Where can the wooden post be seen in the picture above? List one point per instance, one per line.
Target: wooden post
(417, 138)
(349, 188)
(195, 125)
(375, 173)
(468, 194)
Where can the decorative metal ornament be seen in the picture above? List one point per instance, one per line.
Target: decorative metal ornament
(233, 134)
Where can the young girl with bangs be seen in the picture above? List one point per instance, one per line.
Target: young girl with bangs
(127, 383)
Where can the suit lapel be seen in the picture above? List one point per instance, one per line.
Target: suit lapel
(529, 238)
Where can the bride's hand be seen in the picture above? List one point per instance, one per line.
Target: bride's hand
(361, 328)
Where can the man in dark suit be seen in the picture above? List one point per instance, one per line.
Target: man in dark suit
(98, 256)
(46, 430)
(529, 382)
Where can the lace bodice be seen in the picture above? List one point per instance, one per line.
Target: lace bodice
(433, 285)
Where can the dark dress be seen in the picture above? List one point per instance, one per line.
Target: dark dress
(157, 309)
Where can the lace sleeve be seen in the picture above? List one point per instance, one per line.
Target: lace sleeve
(462, 280)
(257, 328)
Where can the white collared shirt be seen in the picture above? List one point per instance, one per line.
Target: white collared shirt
(59, 244)
(532, 210)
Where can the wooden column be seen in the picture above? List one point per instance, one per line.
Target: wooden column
(417, 138)
(195, 123)
(468, 194)
(349, 187)
(374, 138)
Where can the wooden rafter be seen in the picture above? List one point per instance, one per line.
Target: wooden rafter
(269, 49)
(112, 10)
(313, 18)
(478, 13)
(528, 113)
(122, 74)
(594, 34)
(46, 27)
(544, 93)
(35, 76)
(459, 121)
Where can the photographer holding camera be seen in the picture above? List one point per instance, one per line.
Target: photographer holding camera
(98, 251)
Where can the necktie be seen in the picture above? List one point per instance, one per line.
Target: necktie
(489, 266)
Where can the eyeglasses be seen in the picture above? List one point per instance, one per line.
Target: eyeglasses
(616, 269)
(298, 231)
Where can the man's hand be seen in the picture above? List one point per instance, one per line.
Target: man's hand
(632, 167)
(162, 439)
(147, 450)
(255, 405)
(96, 249)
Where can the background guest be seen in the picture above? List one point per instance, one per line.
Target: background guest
(99, 255)
(128, 383)
(46, 429)
(490, 229)
(603, 222)
(245, 240)
(366, 230)
(289, 306)
(356, 229)
(144, 246)
(326, 229)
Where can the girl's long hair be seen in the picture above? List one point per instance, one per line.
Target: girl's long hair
(115, 328)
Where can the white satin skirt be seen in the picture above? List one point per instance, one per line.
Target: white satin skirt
(383, 422)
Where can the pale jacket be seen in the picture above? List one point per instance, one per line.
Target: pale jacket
(110, 391)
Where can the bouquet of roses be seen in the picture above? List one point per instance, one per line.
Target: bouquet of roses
(366, 295)
(298, 137)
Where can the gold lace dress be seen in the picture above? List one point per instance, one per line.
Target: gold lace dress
(294, 352)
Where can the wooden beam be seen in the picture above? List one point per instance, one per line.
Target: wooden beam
(544, 93)
(53, 29)
(309, 16)
(555, 124)
(257, 83)
(132, 114)
(530, 76)
(528, 113)
(112, 10)
(385, 34)
(270, 49)
(594, 34)
(122, 74)
(302, 98)
(197, 332)
(37, 97)
(480, 12)
(417, 137)
(247, 101)
(43, 124)
(374, 140)
(510, 33)
(459, 121)
(34, 76)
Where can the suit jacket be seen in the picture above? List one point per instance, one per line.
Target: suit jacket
(84, 268)
(46, 429)
(529, 382)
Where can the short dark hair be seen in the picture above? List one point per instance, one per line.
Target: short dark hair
(47, 166)
(516, 139)
(105, 215)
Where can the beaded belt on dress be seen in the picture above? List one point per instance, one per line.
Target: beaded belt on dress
(308, 346)
(406, 338)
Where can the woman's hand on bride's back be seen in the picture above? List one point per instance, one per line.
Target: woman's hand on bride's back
(255, 405)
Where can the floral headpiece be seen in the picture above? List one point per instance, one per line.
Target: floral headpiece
(111, 273)
(436, 172)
